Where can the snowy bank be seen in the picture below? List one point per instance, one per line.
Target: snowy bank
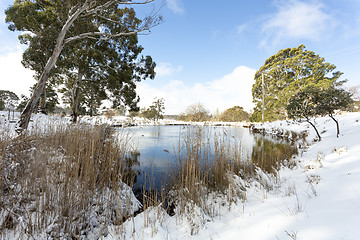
(317, 199)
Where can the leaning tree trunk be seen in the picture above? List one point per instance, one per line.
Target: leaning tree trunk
(76, 93)
(31, 104)
(337, 125)
(317, 133)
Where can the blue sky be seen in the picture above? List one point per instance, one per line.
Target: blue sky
(208, 51)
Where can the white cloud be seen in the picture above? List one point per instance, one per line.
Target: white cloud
(297, 20)
(175, 6)
(241, 28)
(166, 69)
(231, 90)
(14, 76)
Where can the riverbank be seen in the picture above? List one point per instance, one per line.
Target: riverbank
(316, 198)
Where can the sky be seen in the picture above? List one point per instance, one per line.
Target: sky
(208, 51)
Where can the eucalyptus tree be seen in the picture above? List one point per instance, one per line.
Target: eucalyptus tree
(332, 99)
(67, 22)
(107, 70)
(234, 114)
(8, 99)
(155, 111)
(284, 75)
(303, 105)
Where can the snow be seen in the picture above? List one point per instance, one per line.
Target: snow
(317, 199)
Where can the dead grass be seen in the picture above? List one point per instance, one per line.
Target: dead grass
(202, 181)
(63, 181)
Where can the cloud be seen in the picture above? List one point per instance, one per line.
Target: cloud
(166, 69)
(14, 77)
(296, 20)
(175, 6)
(241, 28)
(230, 90)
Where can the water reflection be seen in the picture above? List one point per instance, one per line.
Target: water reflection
(159, 147)
(269, 154)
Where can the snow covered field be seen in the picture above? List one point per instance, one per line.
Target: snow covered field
(317, 199)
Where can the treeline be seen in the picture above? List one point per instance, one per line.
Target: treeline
(194, 113)
(198, 113)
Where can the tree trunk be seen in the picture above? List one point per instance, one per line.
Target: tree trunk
(317, 133)
(43, 102)
(337, 125)
(31, 104)
(76, 93)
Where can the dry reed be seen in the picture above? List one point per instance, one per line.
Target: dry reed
(63, 182)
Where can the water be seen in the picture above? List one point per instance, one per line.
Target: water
(158, 148)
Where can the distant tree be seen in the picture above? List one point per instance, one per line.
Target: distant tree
(181, 117)
(285, 74)
(332, 99)
(133, 113)
(155, 111)
(121, 110)
(234, 114)
(22, 104)
(197, 113)
(216, 115)
(48, 103)
(355, 95)
(8, 99)
(303, 105)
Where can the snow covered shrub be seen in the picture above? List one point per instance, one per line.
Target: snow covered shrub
(63, 182)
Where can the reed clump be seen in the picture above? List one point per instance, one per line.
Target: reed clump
(64, 182)
(203, 180)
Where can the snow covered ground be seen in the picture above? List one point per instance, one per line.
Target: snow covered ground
(318, 199)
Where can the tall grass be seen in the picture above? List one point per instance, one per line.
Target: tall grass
(63, 182)
(203, 181)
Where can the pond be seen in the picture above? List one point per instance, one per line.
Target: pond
(157, 150)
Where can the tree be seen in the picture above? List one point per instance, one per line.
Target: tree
(304, 105)
(112, 69)
(332, 99)
(234, 114)
(285, 74)
(355, 95)
(155, 111)
(197, 113)
(22, 104)
(70, 21)
(8, 100)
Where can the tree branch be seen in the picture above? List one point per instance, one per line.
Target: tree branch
(109, 3)
(105, 36)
